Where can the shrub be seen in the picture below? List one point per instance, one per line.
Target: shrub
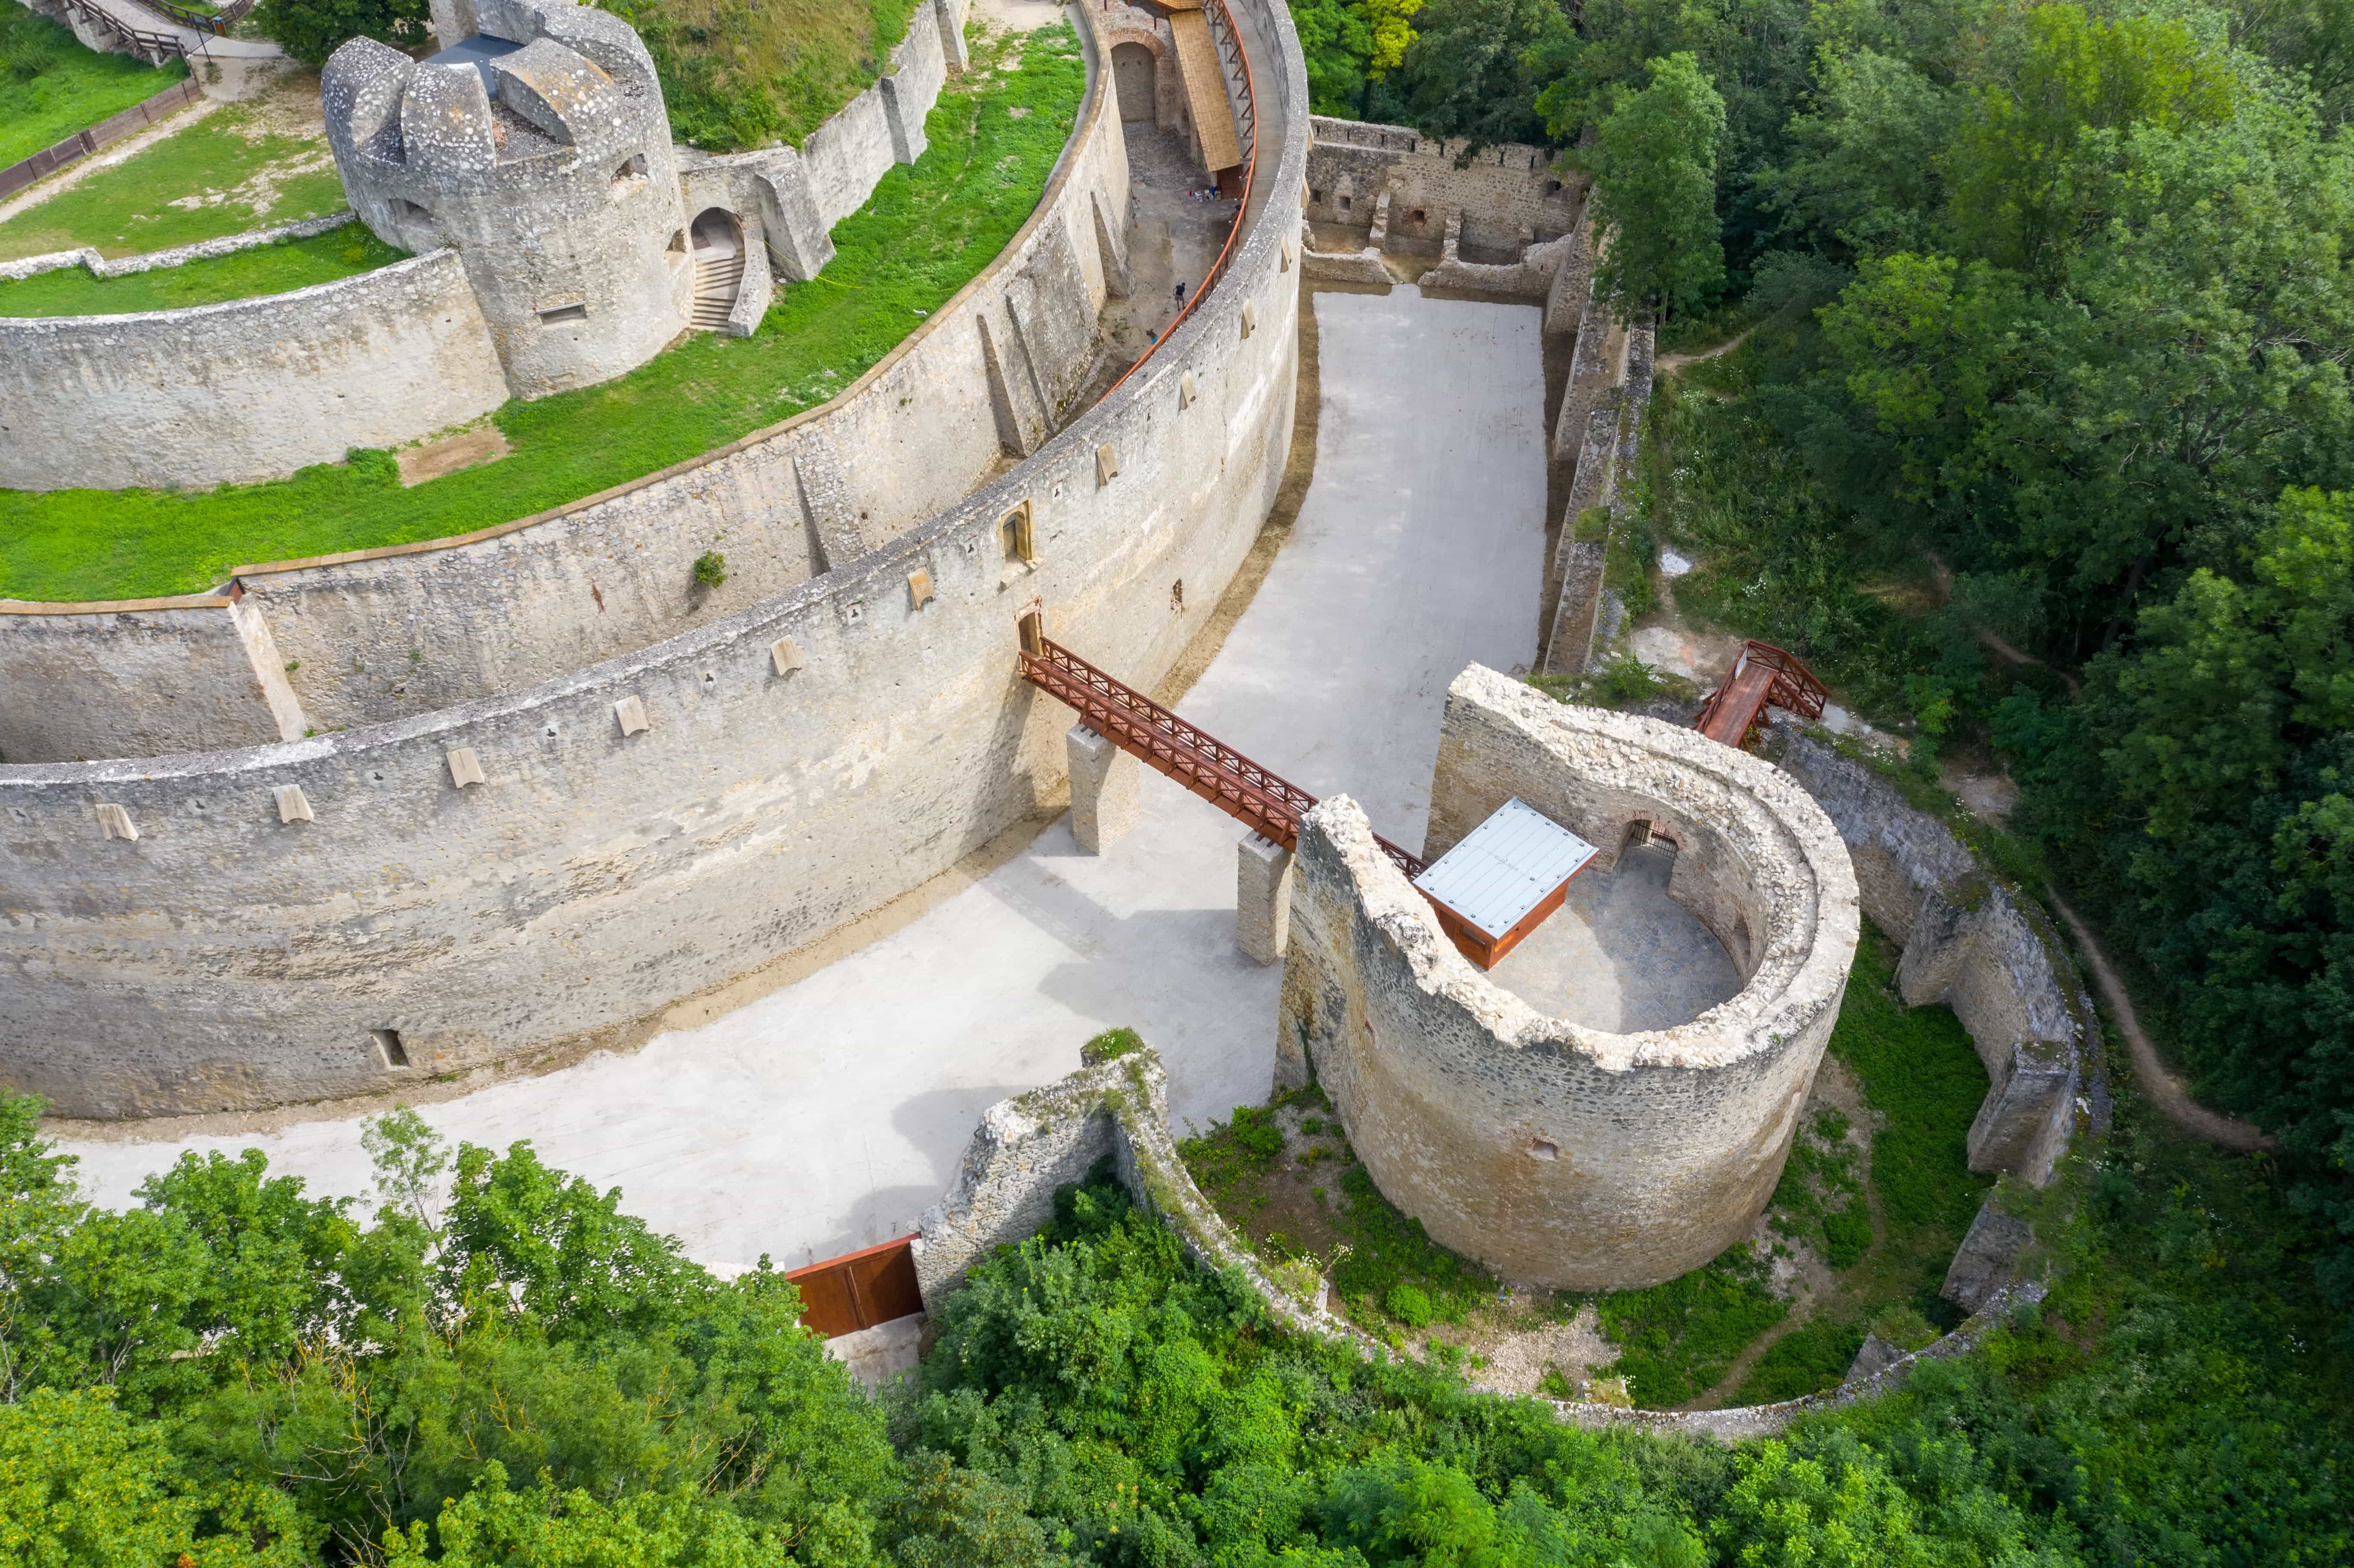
(1409, 1304)
(711, 568)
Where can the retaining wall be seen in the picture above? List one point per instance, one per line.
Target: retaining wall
(806, 758)
(247, 389)
(1507, 196)
(1971, 943)
(1029, 1145)
(1561, 1155)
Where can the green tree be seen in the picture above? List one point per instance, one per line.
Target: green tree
(1466, 73)
(83, 1484)
(311, 30)
(1654, 165)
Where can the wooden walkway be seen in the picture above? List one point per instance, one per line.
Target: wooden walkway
(1204, 81)
(1764, 676)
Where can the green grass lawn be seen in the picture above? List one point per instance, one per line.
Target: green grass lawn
(927, 229)
(51, 87)
(269, 269)
(743, 73)
(223, 174)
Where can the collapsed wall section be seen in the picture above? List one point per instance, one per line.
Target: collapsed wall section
(528, 872)
(1556, 1154)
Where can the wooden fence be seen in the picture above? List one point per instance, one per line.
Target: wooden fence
(82, 143)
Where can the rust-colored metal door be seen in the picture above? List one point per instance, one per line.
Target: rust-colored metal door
(859, 1289)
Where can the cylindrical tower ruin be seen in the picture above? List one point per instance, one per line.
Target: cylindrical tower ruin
(539, 148)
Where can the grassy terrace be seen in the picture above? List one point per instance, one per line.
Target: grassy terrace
(51, 87)
(927, 231)
(226, 173)
(271, 269)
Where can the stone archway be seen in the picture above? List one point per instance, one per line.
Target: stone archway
(718, 252)
(1135, 74)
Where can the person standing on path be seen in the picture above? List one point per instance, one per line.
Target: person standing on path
(1178, 293)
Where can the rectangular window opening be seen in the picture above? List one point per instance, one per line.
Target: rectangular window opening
(389, 1050)
(564, 313)
(1015, 534)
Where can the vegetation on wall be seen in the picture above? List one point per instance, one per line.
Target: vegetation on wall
(746, 73)
(927, 231)
(50, 85)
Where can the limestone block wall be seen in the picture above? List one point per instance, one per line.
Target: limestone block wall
(1115, 1110)
(884, 124)
(805, 759)
(147, 678)
(1507, 196)
(1972, 943)
(378, 635)
(1561, 1155)
(249, 389)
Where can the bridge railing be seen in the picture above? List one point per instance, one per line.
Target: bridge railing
(1256, 796)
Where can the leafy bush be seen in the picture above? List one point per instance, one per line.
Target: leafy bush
(311, 30)
(1409, 1304)
(711, 568)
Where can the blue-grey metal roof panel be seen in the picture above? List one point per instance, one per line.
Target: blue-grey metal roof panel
(479, 51)
(1505, 867)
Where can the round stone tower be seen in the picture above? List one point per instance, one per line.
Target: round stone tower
(537, 145)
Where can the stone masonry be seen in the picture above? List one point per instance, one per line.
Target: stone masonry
(1561, 1155)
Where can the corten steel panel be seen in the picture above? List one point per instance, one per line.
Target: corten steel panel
(859, 1289)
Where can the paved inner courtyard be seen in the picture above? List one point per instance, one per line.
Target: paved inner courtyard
(828, 1114)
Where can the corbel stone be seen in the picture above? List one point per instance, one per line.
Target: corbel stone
(1106, 465)
(786, 655)
(293, 806)
(465, 768)
(919, 588)
(632, 715)
(116, 821)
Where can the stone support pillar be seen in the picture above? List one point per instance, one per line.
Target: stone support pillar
(1103, 789)
(1262, 898)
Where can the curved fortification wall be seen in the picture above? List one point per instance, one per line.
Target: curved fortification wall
(663, 821)
(1561, 1155)
(541, 194)
(378, 635)
(249, 389)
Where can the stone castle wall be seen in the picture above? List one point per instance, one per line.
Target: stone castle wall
(1973, 943)
(804, 760)
(257, 388)
(383, 634)
(1506, 197)
(1561, 1155)
(249, 389)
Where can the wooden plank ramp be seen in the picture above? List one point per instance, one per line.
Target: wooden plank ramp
(1204, 81)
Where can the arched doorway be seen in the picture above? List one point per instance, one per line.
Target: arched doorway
(1132, 72)
(718, 266)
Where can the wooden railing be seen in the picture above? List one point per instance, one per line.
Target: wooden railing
(1256, 797)
(1764, 676)
(1230, 44)
(82, 143)
(160, 47)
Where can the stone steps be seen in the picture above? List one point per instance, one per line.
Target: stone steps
(717, 281)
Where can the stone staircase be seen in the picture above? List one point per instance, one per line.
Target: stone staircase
(718, 275)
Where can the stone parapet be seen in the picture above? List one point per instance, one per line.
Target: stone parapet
(1556, 1154)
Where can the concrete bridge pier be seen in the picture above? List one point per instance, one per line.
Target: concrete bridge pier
(1262, 898)
(1103, 789)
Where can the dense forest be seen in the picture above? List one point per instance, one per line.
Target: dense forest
(493, 1363)
(2041, 439)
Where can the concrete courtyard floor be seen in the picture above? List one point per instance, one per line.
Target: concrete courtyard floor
(828, 1114)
